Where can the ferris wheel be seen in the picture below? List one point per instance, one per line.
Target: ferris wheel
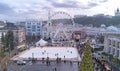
(61, 18)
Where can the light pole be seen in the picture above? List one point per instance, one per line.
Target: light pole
(47, 54)
(32, 55)
(57, 55)
(64, 59)
(47, 60)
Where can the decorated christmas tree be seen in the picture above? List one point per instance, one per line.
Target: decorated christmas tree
(86, 64)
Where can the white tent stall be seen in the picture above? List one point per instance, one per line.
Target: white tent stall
(41, 42)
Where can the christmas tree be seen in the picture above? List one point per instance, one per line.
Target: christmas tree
(86, 64)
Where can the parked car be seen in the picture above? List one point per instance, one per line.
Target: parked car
(21, 62)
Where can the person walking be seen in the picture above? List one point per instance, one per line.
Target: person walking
(55, 69)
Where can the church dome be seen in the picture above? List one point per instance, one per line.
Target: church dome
(103, 25)
(112, 28)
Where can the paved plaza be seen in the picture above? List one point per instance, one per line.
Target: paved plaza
(39, 66)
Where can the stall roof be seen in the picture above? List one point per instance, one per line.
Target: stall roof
(21, 46)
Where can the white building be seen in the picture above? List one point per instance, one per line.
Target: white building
(112, 44)
(32, 27)
(117, 12)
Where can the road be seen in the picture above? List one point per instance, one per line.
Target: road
(114, 66)
(39, 66)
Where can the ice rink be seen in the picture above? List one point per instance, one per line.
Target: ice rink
(65, 53)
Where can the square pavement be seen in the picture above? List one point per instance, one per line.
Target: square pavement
(39, 66)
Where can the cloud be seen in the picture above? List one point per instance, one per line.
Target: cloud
(26, 8)
(6, 9)
(72, 4)
(102, 1)
(65, 4)
(34, 6)
(90, 5)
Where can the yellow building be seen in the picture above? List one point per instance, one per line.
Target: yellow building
(18, 32)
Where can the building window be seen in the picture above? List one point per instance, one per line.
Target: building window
(29, 33)
(117, 53)
(114, 43)
(28, 30)
(109, 49)
(117, 44)
(38, 33)
(34, 28)
(109, 42)
(28, 23)
(38, 26)
(38, 29)
(28, 27)
(38, 23)
(113, 51)
(53, 34)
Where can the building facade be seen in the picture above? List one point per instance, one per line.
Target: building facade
(21, 34)
(117, 12)
(18, 32)
(33, 28)
(2, 24)
(112, 43)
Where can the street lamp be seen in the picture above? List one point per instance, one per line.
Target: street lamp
(57, 55)
(64, 59)
(32, 55)
(47, 54)
(47, 61)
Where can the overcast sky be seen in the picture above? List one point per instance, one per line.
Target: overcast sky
(16, 10)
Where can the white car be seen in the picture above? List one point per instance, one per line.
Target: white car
(21, 62)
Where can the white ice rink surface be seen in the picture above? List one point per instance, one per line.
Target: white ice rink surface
(68, 53)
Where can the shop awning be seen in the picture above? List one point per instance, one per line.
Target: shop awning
(21, 46)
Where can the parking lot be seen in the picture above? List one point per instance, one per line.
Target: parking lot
(39, 66)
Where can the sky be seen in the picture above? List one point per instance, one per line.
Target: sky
(18, 10)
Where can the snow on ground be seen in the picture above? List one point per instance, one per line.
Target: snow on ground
(67, 53)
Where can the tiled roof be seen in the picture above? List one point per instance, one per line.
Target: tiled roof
(2, 23)
(9, 26)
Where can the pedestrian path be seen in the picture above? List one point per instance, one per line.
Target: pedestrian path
(98, 66)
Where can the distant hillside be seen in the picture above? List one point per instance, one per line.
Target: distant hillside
(98, 20)
(64, 21)
(88, 20)
(94, 20)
